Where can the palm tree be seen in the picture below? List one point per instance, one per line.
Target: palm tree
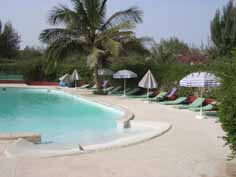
(86, 30)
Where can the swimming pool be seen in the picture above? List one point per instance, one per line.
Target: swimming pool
(59, 117)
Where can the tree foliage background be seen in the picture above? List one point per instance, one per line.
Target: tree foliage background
(223, 33)
(223, 30)
(9, 41)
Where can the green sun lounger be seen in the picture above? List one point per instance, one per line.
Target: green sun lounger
(93, 87)
(175, 102)
(133, 91)
(84, 86)
(114, 90)
(197, 103)
(141, 96)
(208, 107)
(121, 92)
(160, 96)
(211, 113)
(106, 90)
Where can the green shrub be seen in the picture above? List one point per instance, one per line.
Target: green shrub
(167, 75)
(12, 67)
(228, 104)
(34, 70)
(81, 67)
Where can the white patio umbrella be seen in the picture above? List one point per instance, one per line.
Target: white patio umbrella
(125, 74)
(148, 82)
(65, 78)
(200, 80)
(75, 76)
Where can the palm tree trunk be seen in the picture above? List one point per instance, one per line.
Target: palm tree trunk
(98, 80)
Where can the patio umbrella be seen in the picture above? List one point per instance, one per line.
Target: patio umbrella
(75, 76)
(65, 78)
(148, 82)
(200, 80)
(125, 74)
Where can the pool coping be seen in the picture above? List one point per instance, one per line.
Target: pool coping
(35, 151)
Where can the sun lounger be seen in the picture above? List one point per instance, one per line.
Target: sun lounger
(160, 96)
(93, 87)
(171, 93)
(175, 102)
(106, 90)
(105, 83)
(212, 113)
(141, 96)
(121, 92)
(133, 91)
(84, 86)
(114, 90)
(208, 107)
(197, 103)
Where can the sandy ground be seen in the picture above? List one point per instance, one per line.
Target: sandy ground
(192, 148)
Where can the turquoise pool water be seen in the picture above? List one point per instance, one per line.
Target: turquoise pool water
(57, 116)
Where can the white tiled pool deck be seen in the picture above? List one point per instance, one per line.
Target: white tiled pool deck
(192, 148)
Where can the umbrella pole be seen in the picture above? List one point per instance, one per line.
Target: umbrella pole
(147, 94)
(201, 114)
(201, 104)
(124, 87)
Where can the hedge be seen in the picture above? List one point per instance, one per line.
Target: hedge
(227, 98)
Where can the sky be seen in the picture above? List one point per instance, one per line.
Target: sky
(189, 20)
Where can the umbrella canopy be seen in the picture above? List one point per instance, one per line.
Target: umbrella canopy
(200, 80)
(148, 82)
(65, 78)
(75, 76)
(125, 74)
(105, 72)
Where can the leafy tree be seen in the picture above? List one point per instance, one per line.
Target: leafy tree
(223, 29)
(88, 31)
(29, 53)
(9, 41)
(227, 95)
(167, 51)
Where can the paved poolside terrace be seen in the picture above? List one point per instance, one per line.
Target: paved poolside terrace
(192, 148)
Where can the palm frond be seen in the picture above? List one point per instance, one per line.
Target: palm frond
(81, 11)
(61, 14)
(133, 15)
(0, 27)
(93, 8)
(122, 29)
(64, 47)
(133, 44)
(103, 8)
(49, 35)
(113, 38)
(113, 47)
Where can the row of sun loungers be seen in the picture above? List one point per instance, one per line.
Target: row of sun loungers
(162, 98)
